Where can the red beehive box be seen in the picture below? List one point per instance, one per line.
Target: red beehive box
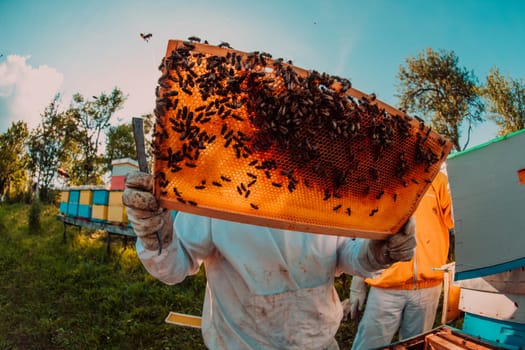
(118, 182)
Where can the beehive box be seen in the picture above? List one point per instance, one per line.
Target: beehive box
(73, 203)
(86, 197)
(123, 166)
(100, 197)
(63, 207)
(72, 209)
(64, 199)
(488, 198)
(245, 137)
(117, 214)
(84, 211)
(74, 196)
(115, 198)
(64, 196)
(118, 182)
(99, 213)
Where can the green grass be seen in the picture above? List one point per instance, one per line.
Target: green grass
(73, 294)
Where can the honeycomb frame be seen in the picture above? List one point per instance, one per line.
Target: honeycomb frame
(245, 137)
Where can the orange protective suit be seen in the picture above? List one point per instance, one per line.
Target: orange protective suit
(433, 221)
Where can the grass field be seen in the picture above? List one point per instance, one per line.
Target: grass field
(76, 295)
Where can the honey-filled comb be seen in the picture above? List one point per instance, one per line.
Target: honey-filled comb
(249, 138)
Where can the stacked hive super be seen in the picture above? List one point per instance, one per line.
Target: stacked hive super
(245, 137)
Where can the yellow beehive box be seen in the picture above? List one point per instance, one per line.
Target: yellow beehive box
(64, 196)
(115, 198)
(86, 197)
(117, 214)
(99, 212)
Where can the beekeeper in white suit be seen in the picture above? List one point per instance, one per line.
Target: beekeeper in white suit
(266, 288)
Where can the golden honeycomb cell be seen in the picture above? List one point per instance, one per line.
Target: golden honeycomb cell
(249, 138)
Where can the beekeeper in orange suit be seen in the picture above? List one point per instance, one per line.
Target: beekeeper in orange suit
(405, 296)
(266, 288)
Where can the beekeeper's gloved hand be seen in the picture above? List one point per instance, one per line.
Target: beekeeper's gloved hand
(357, 296)
(398, 247)
(356, 303)
(144, 212)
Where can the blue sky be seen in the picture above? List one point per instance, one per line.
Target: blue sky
(92, 46)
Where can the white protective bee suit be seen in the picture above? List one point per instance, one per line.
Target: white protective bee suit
(266, 288)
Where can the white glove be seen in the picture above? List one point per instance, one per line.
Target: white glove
(398, 247)
(354, 305)
(152, 224)
(357, 296)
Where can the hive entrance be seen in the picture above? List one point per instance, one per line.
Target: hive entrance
(246, 137)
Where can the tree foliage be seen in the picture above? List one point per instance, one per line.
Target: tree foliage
(506, 101)
(13, 158)
(434, 86)
(93, 117)
(121, 141)
(50, 144)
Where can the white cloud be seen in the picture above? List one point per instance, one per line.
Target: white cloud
(25, 90)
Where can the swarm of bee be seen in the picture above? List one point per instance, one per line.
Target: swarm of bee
(249, 135)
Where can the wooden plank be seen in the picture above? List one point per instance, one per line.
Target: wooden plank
(121, 230)
(446, 340)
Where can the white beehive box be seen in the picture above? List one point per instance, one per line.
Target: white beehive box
(488, 195)
(120, 167)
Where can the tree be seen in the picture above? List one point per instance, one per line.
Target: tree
(435, 87)
(13, 159)
(93, 118)
(506, 101)
(121, 142)
(50, 144)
